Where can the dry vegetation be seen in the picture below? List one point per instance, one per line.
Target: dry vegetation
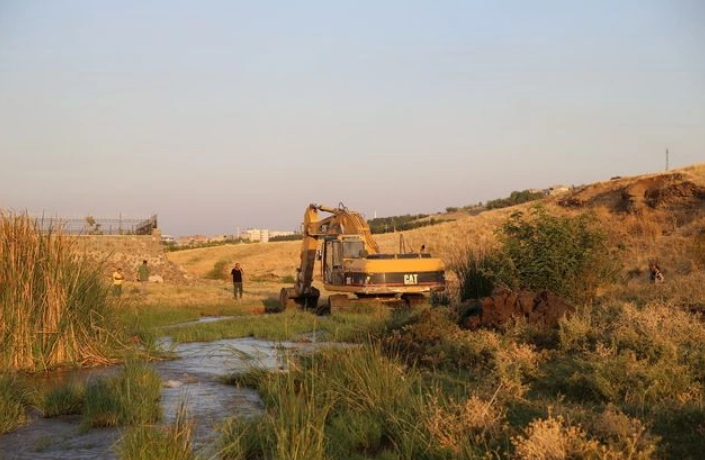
(622, 378)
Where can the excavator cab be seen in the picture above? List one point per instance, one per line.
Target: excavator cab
(334, 253)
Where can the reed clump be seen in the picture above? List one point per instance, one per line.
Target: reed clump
(55, 307)
(173, 441)
(12, 403)
(129, 398)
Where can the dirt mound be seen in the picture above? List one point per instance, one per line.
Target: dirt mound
(671, 191)
(538, 308)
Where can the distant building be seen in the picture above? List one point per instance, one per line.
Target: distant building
(262, 235)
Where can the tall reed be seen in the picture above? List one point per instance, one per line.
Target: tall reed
(54, 305)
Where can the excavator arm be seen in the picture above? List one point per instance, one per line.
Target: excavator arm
(340, 222)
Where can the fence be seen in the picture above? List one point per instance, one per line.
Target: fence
(90, 225)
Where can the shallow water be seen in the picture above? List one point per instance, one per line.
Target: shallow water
(192, 378)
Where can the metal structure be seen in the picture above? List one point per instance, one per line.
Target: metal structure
(90, 225)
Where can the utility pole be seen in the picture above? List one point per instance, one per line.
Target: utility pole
(666, 159)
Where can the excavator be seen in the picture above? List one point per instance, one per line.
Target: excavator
(352, 267)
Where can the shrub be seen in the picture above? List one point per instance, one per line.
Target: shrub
(555, 439)
(565, 255)
(466, 428)
(649, 359)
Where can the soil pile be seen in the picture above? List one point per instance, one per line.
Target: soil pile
(542, 309)
(668, 191)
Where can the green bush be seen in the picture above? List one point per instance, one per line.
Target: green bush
(565, 255)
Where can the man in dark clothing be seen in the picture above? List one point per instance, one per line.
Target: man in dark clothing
(237, 280)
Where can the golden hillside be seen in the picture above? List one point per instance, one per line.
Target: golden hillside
(652, 217)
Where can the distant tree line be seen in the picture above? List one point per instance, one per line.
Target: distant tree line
(172, 246)
(514, 198)
(400, 223)
(294, 237)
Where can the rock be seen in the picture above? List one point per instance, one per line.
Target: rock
(156, 279)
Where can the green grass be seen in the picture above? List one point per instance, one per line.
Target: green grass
(151, 442)
(129, 398)
(12, 403)
(64, 400)
(342, 326)
(329, 398)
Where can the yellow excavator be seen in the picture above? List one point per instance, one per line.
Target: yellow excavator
(352, 266)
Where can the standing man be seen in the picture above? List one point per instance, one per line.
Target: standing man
(118, 279)
(143, 273)
(237, 280)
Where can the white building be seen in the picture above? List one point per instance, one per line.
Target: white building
(262, 234)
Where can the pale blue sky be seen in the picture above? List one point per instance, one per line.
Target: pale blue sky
(224, 114)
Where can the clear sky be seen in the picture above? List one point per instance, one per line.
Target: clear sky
(224, 114)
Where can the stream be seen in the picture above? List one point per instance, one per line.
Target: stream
(192, 377)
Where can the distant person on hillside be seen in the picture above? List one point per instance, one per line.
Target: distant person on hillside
(143, 276)
(118, 279)
(236, 273)
(656, 275)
